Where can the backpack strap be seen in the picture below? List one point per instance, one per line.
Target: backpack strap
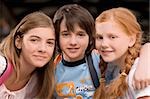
(93, 72)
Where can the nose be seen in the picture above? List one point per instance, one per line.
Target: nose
(104, 43)
(42, 47)
(73, 40)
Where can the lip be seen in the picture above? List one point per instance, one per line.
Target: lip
(40, 56)
(106, 52)
(73, 49)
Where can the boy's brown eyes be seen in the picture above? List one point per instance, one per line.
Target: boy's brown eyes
(33, 40)
(64, 33)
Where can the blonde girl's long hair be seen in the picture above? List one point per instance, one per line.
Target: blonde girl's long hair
(128, 21)
(8, 48)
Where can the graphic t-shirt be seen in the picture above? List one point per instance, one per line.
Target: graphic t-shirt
(74, 79)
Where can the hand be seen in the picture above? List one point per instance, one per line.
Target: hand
(146, 97)
(141, 78)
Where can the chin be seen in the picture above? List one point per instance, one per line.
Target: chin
(40, 65)
(75, 57)
(108, 60)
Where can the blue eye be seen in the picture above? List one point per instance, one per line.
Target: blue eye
(113, 37)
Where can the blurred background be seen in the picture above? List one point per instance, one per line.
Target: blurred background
(12, 11)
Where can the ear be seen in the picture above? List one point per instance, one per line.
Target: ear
(18, 42)
(132, 40)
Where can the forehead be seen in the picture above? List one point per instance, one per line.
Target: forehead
(108, 27)
(74, 27)
(42, 32)
(63, 24)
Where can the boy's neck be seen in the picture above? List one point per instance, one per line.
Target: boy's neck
(72, 64)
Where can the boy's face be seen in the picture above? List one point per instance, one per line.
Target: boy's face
(73, 44)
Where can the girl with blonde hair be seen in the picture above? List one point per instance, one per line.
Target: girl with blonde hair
(28, 53)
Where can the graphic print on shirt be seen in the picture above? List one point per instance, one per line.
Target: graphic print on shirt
(68, 89)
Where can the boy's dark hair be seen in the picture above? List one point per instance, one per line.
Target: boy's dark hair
(75, 14)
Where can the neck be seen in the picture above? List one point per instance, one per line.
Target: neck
(25, 69)
(69, 59)
(120, 62)
(73, 64)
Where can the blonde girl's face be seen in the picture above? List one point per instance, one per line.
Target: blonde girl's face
(37, 46)
(112, 41)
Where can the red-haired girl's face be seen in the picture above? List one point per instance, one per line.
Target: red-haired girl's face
(112, 41)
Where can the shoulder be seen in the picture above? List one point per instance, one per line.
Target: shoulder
(96, 60)
(57, 60)
(95, 54)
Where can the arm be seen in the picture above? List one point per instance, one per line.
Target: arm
(3, 66)
(6, 69)
(142, 73)
(144, 97)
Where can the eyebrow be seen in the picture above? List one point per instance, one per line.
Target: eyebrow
(98, 34)
(39, 37)
(82, 31)
(63, 31)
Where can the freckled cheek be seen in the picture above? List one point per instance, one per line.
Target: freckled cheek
(32, 46)
(28, 47)
(50, 52)
(98, 45)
